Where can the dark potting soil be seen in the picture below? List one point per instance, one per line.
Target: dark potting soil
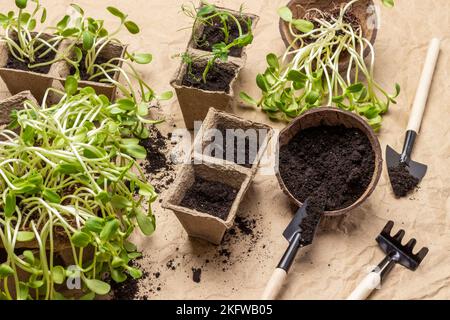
(196, 275)
(402, 181)
(218, 78)
(211, 197)
(337, 159)
(213, 34)
(158, 166)
(84, 75)
(13, 63)
(245, 149)
(314, 212)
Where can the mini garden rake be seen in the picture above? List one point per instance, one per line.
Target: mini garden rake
(396, 253)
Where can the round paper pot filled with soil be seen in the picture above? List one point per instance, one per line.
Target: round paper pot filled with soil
(360, 14)
(333, 151)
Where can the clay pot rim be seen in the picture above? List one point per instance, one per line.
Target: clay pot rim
(376, 147)
(342, 65)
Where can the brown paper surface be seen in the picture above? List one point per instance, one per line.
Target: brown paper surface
(343, 253)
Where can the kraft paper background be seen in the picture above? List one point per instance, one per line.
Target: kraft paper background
(344, 251)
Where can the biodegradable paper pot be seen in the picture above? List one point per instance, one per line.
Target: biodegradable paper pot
(19, 80)
(203, 225)
(110, 51)
(195, 103)
(332, 117)
(217, 118)
(199, 27)
(361, 9)
(13, 103)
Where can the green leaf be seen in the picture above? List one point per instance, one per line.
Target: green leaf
(312, 97)
(88, 40)
(94, 224)
(88, 296)
(97, 286)
(3, 18)
(80, 239)
(132, 27)
(146, 190)
(32, 24)
(272, 61)
(68, 168)
(117, 262)
(142, 58)
(297, 76)
(10, 204)
(388, 3)
(129, 246)
(165, 95)
(23, 291)
(142, 109)
(28, 256)
(116, 12)
(109, 230)
(135, 273)
(62, 24)
(262, 83)
(5, 271)
(43, 15)
(77, 8)
(25, 236)
(355, 88)
(146, 224)
(51, 196)
(69, 32)
(121, 202)
(126, 104)
(304, 26)
(21, 4)
(285, 13)
(246, 98)
(71, 85)
(136, 151)
(205, 10)
(118, 276)
(58, 274)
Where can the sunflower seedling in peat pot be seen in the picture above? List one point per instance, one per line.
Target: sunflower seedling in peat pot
(27, 56)
(311, 76)
(71, 195)
(213, 60)
(99, 57)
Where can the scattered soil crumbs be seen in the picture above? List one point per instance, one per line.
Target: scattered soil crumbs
(402, 181)
(13, 63)
(211, 197)
(218, 79)
(213, 34)
(245, 150)
(337, 159)
(196, 275)
(158, 166)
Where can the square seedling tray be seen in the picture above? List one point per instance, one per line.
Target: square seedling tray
(206, 198)
(110, 51)
(238, 132)
(17, 80)
(199, 29)
(13, 103)
(196, 101)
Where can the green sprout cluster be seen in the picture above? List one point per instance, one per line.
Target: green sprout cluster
(310, 76)
(69, 178)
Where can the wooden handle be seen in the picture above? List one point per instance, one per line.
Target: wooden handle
(365, 288)
(274, 285)
(420, 101)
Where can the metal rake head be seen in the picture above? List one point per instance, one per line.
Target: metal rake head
(402, 254)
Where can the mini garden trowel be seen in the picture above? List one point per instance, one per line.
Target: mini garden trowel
(396, 253)
(300, 233)
(395, 160)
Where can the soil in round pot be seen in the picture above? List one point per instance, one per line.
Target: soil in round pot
(213, 34)
(13, 63)
(218, 78)
(243, 148)
(335, 163)
(210, 197)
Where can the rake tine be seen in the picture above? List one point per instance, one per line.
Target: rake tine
(411, 244)
(399, 235)
(388, 228)
(422, 253)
